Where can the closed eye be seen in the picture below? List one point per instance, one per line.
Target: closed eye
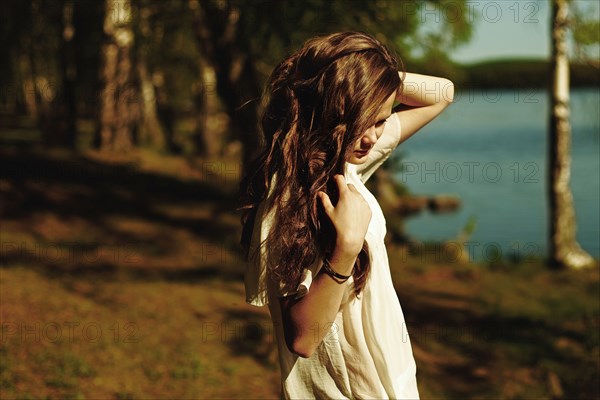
(379, 124)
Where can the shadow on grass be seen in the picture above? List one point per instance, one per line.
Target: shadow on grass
(254, 336)
(77, 188)
(465, 343)
(110, 190)
(123, 188)
(101, 273)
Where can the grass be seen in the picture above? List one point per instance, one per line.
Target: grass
(507, 331)
(121, 279)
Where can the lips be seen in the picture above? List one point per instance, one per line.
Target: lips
(362, 153)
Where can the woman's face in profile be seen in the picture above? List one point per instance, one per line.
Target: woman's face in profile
(368, 139)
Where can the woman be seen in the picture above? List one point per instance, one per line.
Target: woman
(312, 232)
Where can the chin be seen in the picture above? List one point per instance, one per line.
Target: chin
(357, 160)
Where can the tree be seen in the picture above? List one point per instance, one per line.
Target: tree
(151, 132)
(565, 252)
(31, 36)
(118, 103)
(243, 39)
(64, 127)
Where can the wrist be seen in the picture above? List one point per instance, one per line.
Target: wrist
(342, 261)
(345, 250)
(348, 247)
(332, 272)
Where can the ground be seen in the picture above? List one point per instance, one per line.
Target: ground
(121, 277)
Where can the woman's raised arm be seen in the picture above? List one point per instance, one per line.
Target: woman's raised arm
(422, 99)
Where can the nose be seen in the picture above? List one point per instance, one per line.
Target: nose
(370, 137)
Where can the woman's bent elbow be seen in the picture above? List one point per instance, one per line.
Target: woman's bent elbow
(301, 347)
(448, 91)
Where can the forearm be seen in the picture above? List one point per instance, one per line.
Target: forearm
(310, 318)
(425, 90)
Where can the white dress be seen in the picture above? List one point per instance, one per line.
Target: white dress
(367, 353)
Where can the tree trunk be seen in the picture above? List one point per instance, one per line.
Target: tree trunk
(208, 139)
(201, 141)
(151, 130)
(565, 252)
(28, 83)
(27, 75)
(70, 75)
(118, 104)
(43, 91)
(165, 112)
(61, 124)
(216, 30)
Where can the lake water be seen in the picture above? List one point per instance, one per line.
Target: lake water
(490, 149)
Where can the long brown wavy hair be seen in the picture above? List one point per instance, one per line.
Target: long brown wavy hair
(316, 104)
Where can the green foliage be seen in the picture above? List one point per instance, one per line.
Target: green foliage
(164, 32)
(470, 225)
(273, 29)
(586, 31)
(240, 40)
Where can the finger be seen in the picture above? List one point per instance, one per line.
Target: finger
(341, 182)
(352, 188)
(326, 201)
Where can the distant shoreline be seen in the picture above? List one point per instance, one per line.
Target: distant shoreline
(508, 73)
(522, 73)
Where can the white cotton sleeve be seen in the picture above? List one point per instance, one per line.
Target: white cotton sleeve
(255, 276)
(306, 279)
(382, 150)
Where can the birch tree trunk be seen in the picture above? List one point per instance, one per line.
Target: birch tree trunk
(208, 138)
(118, 104)
(565, 252)
(151, 131)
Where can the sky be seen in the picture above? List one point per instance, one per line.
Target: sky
(508, 29)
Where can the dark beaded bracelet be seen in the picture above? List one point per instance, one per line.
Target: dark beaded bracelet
(331, 272)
